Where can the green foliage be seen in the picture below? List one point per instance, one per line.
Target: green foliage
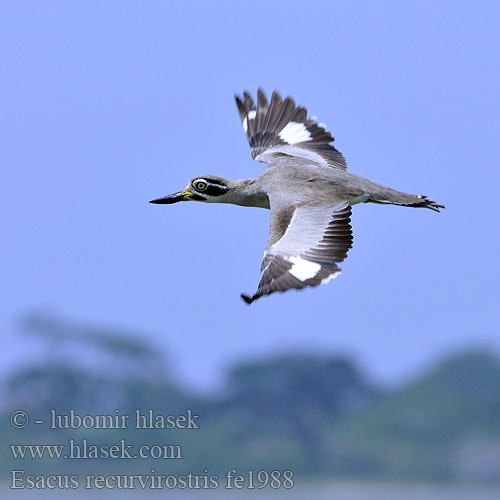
(420, 430)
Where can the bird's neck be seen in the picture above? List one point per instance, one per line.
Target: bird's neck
(247, 193)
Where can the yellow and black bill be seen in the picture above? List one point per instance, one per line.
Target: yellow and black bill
(185, 195)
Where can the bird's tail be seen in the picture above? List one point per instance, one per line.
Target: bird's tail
(408, 200)
(376, 193)
(427, 203)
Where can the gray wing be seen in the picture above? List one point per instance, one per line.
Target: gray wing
(280, 129)
(306, 242)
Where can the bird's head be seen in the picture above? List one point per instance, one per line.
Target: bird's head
(207, 188)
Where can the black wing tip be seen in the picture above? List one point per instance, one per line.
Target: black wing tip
(245, 104)
(248, 300)
(246, 95)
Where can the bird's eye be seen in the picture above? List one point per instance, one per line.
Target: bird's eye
(200, 185)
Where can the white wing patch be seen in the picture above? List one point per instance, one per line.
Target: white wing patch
(303, 269)
(294, 133)
(330, 278)
(251, 116)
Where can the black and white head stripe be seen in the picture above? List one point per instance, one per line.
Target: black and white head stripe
(296, 258)
(280, 127)
(208, 185)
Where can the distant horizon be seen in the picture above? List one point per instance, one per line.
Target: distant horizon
(206, 384)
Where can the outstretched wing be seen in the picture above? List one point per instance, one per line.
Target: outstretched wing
(280, 129)
(306, 242)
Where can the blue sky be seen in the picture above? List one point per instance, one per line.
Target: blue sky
(106, 105)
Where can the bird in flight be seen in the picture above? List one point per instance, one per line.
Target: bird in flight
(307, 188)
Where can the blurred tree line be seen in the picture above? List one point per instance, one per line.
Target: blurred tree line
(319, 416)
